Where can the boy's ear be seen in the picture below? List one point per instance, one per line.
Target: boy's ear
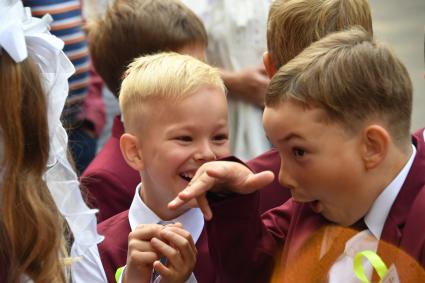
(376, 142)
(130, 151)
(268, 65)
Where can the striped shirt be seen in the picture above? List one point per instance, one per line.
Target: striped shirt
(67, 25)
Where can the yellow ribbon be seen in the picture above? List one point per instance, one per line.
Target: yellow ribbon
(118, 273)
(374, 260)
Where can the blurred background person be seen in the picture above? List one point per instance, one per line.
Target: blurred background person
(236, 42)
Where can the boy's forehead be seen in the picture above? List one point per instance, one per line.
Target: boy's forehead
(287, 115)
(158, 105)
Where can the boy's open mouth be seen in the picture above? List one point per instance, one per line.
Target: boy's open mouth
(186, 176)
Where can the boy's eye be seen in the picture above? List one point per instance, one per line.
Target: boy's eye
(298, 152)
(184, 138)
(220, 137)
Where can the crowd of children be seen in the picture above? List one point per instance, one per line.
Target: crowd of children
(343, 181)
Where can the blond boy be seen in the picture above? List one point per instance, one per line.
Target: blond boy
(129, 29)
(175, 117)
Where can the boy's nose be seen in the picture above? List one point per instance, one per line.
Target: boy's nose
(205, 152)
(285, 179)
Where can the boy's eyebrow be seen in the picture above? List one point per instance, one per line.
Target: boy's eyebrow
(289, 137)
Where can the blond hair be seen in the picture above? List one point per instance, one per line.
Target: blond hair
(169, 76)
(353, 78)
(133, 28)
(294, 24)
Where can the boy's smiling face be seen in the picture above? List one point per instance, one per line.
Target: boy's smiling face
(179, 136)
(320, 162)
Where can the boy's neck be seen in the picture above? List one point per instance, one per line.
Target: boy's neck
(159, 204)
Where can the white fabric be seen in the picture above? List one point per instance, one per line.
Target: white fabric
(90, 268)
(22, 35)
(12, 37)
(342, 270)
(237, 40)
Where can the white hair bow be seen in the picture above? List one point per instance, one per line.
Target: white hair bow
(22, 35)
(12, 37)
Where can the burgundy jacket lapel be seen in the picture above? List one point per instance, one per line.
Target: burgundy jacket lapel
(401, 227)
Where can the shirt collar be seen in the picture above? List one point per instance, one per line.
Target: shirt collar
(375, 218)
(140, 213)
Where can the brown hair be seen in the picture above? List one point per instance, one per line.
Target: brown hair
(295, 24)
(353, 78)
(133, 28)
(31, 228)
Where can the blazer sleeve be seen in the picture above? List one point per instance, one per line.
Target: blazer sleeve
(243, 245)
(106, 192)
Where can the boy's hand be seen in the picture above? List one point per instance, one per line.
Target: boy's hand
(217, 175)
(249, 84)
(141, 255)
(177, 245)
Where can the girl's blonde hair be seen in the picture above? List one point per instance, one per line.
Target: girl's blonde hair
(31, 227)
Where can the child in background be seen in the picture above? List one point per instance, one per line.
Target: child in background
(339, 114)
(129, 29)
(175, 117)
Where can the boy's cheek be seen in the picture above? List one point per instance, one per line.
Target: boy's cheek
(224, 151)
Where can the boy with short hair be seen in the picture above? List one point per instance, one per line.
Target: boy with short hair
(175, 116)
(129, 29)
(339, 115)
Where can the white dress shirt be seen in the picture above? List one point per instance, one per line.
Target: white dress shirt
(90, 268)
(342, 270)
